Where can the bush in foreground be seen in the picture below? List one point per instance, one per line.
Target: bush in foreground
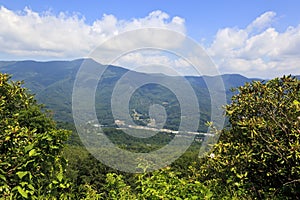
(30, 146)
(260, 152)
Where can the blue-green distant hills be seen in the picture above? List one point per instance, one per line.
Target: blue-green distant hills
(52, 83)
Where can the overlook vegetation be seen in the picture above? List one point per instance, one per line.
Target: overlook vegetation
(31, 146)
(256, 157)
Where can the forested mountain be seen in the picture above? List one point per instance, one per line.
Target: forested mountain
(52, 82)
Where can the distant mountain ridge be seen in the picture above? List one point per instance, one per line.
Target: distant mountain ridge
(52, 82)
(40, 75)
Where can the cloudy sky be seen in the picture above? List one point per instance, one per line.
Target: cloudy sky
(253, 38)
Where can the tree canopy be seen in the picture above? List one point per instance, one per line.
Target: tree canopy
(30, 146)
(260, 150)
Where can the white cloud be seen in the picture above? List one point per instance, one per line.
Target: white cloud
(265, 53)
(261, 22)
(157, 19)
(47, 36)
(139, 58)
(258, 50)
(227, 41)
(155, 61)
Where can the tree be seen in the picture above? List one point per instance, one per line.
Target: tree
(260, 151)
(30, 146)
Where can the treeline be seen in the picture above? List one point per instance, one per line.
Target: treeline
(256, 157)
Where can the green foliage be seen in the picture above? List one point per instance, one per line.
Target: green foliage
(257, 156)
(87, 174)
(116, 188)
(166, 184)
(161, 184)
(90, 177)
(259, 153)
(30, 146)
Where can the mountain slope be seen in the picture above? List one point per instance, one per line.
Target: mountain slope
(52, 82)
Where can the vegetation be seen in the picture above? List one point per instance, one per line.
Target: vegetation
(53, 81)
(256, 157)
(30, 146)
(260, 152)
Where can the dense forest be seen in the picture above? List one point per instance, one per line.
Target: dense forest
(52, 83)
(257, 155)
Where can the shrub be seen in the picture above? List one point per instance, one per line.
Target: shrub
(260, 151)
(30, 146)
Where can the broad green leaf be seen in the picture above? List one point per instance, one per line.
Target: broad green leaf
(30, 187)
(32, 152)
(28, 148)
(59, 176)
(22, 192)
(21, 174)
(2, 177)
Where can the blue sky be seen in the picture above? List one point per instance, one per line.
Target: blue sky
(228, 30)
(203, 18)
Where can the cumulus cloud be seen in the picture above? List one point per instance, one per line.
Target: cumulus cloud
(156, 61)
(261, 22)
(32, 34)
(47, 36)
(259, 50)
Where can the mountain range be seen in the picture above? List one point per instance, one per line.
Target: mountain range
(52, 83)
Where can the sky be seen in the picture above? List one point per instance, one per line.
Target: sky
(255, 38)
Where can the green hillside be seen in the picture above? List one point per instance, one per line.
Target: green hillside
(52, 82)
